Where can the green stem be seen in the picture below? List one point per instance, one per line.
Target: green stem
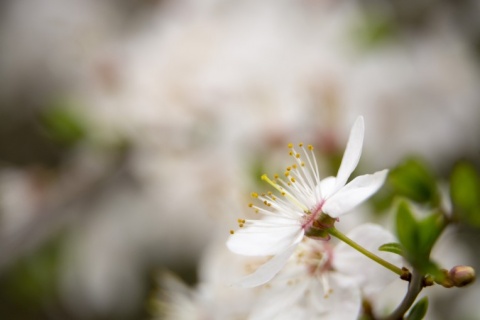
(334, 232)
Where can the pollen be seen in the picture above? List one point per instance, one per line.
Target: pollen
(290, 145)
(327, 295)
(297, 155)
(300, 144)
(292, 179)
(310, 147)
(250, 205)
(286, 173)
(254, 195)
(232, 232)
(276, 176)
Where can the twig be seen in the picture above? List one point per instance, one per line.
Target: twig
(414, 288)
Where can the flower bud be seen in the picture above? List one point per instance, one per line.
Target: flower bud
(462, 275)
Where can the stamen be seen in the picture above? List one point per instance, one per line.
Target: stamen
(284, 193)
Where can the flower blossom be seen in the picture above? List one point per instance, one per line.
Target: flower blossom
(320, 281)
(303, 205)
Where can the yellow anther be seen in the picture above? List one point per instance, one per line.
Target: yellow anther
(290, 145)
(265, 202)
(292, 179)
(310, 147)
(256, 211)
(240, 225)
(254, 195)
(302, 164)
(291, 153)
(276, 176)
(283, 193)
(294, 166)
(289, 183)
(274, 198)
(289, 168)
(232, 232)
(300, 144)
(287, 173)
(250, 205)
(297, 156)
(269, 193)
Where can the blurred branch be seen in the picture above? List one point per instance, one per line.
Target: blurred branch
(48, 220)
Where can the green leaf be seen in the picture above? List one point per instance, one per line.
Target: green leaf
(465, 193)
(63, 124)
(418, 236)
(413, 179)
(419, 310)
(392, 247)
(407, 229)
(430, 229)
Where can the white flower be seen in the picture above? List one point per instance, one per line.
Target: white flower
(305, 205)
(324, 282)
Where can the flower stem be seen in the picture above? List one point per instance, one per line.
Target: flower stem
(334, 232)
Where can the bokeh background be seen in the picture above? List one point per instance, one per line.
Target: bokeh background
(132, 131)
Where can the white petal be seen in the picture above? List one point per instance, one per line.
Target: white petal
(354, 193)
(265, 237)
(327, 186)
(280, 301)
(344, 302)
(268, 270)
(369, 275)
(352, 154)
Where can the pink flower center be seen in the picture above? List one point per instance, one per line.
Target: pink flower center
(312, 216)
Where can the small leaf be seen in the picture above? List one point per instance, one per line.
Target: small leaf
(430, 229)
(419, 310)
(392, 247)
(407, 229)
(417, 237)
